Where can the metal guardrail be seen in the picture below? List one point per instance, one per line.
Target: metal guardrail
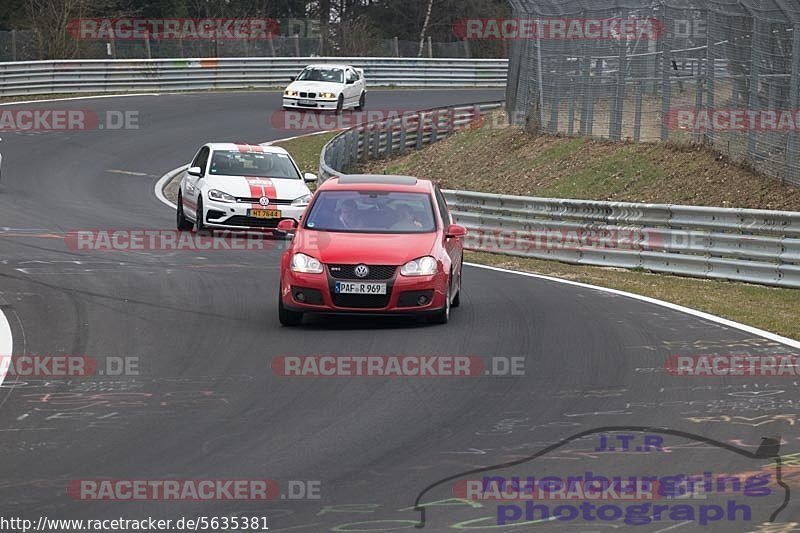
(749, 245)
(396, 135)
(106, 76)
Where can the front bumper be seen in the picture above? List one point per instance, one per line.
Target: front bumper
(292, 102)
(231, 216)
(402, 296)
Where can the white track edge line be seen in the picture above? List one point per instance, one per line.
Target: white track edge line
(6, 346)
(675, 307)
(79, 98)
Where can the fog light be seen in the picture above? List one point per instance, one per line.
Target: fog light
(300, 297)
(422, 300)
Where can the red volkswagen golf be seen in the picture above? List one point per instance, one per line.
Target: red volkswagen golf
(372, 244)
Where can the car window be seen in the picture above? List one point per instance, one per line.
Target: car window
(201, 160)
(256, 164)
(371, 212)
(351, 76)
(443, 209)
(333, 75)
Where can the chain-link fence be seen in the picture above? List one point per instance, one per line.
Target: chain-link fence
(21, 45)
(721, 72)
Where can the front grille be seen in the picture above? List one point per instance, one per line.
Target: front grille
(253, 222)
(245, 200)
(361, 301)
(308, 95)
(376, 272)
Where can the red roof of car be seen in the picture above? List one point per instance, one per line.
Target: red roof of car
(377, 182)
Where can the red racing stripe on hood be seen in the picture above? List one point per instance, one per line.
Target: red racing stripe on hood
(261, 187)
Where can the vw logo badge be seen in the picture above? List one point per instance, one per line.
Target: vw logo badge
(264, 201)
(362, 271)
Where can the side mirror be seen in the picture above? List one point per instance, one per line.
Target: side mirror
(350, 82)
(287, 224)
(292, 78)
(310, 178)
(454, 231)
(195, 171)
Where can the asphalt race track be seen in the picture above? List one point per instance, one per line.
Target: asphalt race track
(206, 404)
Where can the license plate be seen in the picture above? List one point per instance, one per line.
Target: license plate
(308, 102)
(359, 288)
(264, 213)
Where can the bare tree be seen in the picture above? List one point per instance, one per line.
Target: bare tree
(425, 28)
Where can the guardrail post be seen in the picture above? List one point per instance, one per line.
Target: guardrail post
(389, 138)
(420, 129)
(403, 134)
(366, 143)
(434, 127)
(376, 141)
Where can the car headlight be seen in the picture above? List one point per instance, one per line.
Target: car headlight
(289, 93)
(306, 264)
(328, 96)
(219, 196)
(423, 266)
(303, 200)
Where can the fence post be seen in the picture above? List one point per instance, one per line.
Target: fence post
(793, 149)
(296, 38)
(637, 121)
(271, 44)
(430, 47)
(13, 45)
(147, 44)
(666, 90)
(755, 74)
(571, 118)
(396, 45)
(615, 127)
(711, 73)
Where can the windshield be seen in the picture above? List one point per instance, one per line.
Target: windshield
(262, 165)
(372, 212)
(333, 75)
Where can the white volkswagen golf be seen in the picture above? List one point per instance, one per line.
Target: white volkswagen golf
(241, 187)
(327, 87)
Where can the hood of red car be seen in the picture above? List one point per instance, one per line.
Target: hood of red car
(368, 248)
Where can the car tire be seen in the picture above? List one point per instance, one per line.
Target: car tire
(362, 101)
(442, 316)
(184, 224)
(457, 298)
(340, 104)
(288, 318)
(199, 224)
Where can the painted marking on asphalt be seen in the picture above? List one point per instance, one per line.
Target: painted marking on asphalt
(6, 344)
(126, 172)
(79, 98)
